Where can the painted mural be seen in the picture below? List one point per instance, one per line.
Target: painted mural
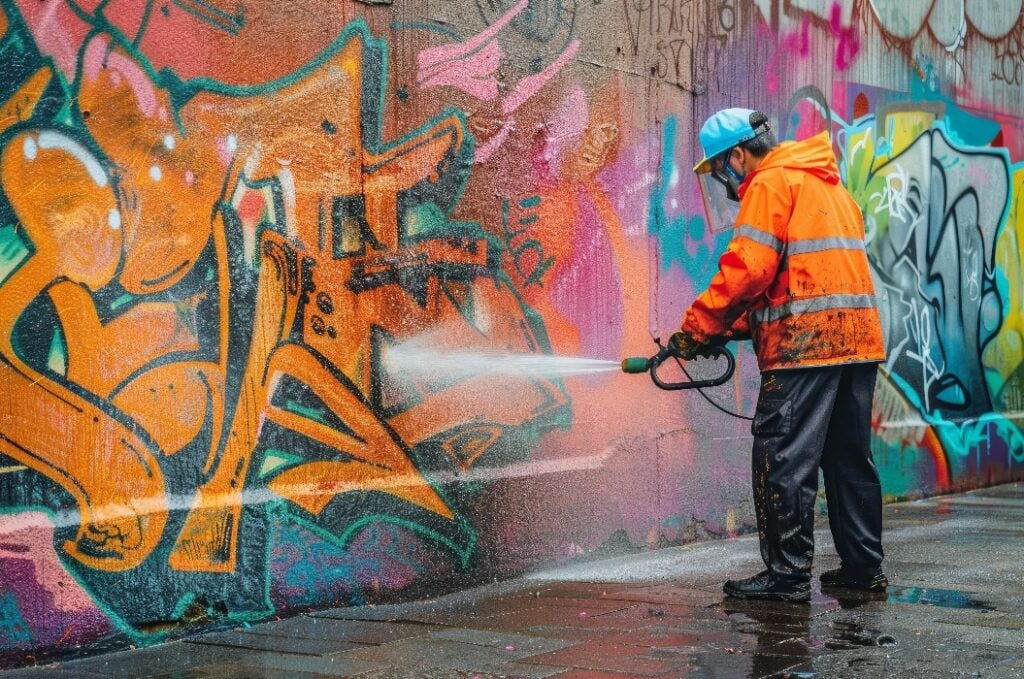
(263, 267)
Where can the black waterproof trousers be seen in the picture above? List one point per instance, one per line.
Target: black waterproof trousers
(806, 418)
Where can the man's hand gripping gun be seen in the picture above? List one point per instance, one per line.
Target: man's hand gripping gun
(640, 364)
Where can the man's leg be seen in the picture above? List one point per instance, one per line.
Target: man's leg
(852, 488)
(793, 413)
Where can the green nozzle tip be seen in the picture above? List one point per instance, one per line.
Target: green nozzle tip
(634, 364)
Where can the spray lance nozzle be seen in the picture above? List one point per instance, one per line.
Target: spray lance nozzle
(640, 364)
(636, 364)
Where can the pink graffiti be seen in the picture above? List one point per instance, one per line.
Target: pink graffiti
(169, 36)
(786, 44)
(530, 85)
(572, 284)
(57, 30)
(798, 43)
(484, 152)
(99, 56)
(471, 65)
(847, 43)
(524, 89)
(474, 74)
(568, 124)
(28, 537)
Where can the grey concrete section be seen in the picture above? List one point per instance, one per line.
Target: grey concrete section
(189, 659)
(508, 641)
(156, 660)
(439, 654)
(54, 672)
(268, 642)
(955, 609)
(332, 630)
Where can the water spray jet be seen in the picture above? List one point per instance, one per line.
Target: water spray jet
(476, 363)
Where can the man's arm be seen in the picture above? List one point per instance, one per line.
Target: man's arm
(740, 329)
(747, 267)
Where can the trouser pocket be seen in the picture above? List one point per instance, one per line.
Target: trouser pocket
(772, 418)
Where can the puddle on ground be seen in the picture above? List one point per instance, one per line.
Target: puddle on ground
(847, 634)
(782, 632)
(784, 635)
(944, 598)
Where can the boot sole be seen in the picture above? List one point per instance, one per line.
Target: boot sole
(876, 583)
(872, 587)
(795, 597)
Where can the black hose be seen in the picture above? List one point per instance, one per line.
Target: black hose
(708, 398)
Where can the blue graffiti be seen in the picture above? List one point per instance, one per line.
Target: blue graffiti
(13, 630)
(682, 239)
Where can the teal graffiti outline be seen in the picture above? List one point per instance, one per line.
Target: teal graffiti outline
(699, 265)
(13, 627)
(342, 540)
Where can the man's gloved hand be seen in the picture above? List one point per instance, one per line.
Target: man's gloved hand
(685, 345)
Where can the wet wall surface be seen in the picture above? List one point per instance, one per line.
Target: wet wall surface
(955, 608)
(243, 242)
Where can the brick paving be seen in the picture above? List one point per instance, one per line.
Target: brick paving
(956, 609)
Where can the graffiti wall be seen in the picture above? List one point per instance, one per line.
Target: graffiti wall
(318, 303)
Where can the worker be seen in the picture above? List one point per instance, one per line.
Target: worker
(795, 279)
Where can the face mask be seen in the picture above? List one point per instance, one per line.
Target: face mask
(730, 179)
(733, 174)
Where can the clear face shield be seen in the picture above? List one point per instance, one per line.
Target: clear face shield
(718, 188)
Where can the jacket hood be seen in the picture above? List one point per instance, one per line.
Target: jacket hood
(813, 155)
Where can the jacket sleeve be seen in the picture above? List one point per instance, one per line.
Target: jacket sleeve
(740, 329)
(748, 265)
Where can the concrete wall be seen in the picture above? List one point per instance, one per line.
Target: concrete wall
(247, 247)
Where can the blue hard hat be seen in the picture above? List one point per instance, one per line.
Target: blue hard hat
(726, 129)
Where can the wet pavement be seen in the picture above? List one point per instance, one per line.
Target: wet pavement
(955, 609)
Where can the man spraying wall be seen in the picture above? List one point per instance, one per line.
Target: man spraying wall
(795, 279)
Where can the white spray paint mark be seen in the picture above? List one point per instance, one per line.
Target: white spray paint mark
(55, 140)
(919, 326)
(30, 148)
(288, 193)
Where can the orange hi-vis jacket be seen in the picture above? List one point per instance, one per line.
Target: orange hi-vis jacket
(796, 271)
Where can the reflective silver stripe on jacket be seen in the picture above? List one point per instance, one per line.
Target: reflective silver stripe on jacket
(759, 236)
(798, 247)
(806, 245)
(812, 304)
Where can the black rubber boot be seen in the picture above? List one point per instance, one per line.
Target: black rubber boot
(872, 581)
(764, 585)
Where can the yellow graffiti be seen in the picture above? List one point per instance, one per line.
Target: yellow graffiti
(902, 129)
(1005, 352)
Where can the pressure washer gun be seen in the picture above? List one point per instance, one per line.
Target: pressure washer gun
(639, 364)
